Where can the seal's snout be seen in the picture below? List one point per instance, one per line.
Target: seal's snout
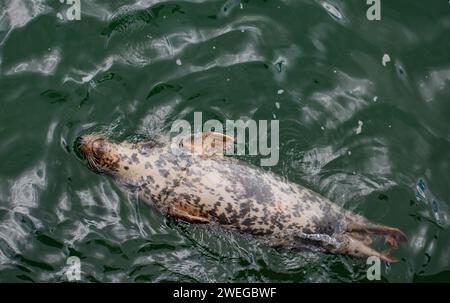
(96, 151)
(90, 145)
(82, 145)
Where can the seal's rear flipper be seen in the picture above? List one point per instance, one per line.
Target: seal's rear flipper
(391, 235)
(358, 248)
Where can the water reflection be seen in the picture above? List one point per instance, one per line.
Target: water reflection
(358, 132)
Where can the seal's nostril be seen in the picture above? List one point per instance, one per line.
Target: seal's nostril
(79, 142)
(79, 147)
(82, 144)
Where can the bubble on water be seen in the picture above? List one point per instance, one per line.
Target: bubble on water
(386, 59)
(277, 105)
(279, 65)
(280, 91)
(359, 128)
(375, 99)
(51, 131)
(332, 10)
(178, 62)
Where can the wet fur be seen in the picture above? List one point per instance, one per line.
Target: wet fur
(238, 196)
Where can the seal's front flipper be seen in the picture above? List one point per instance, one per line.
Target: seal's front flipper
(186, 213)
(208, 143)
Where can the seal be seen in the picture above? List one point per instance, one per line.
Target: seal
(211, 188)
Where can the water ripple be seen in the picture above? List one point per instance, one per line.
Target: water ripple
(358, 132)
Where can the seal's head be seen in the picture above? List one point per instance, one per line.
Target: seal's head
(99, 153)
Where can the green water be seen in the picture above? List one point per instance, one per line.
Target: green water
(116, 71)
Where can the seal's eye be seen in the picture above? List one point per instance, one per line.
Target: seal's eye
(99, 148)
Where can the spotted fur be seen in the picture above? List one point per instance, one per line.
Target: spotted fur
(238, 196)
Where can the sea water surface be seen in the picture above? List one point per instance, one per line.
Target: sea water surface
(364, 115)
